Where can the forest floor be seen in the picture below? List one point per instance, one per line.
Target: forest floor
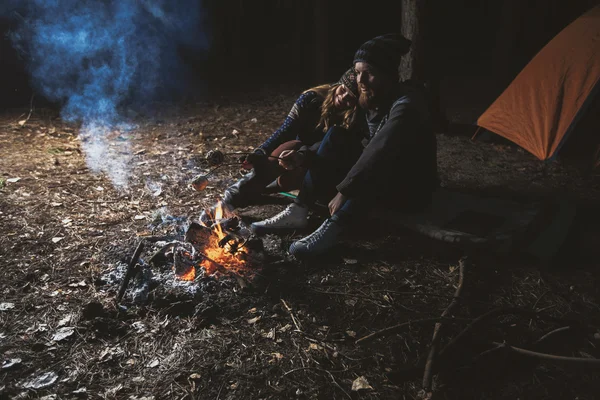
(66, 233)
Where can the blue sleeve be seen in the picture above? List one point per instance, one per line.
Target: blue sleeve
(304, 115)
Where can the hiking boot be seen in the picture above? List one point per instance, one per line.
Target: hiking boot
(317, 242)
(293, 217)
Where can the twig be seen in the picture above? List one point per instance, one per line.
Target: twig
(396, 328)
(130, 270)
(327, 346)
(550, 357)
(294, 319)
(221, 388)
(338, 385)
(547, 335)
(428, 373)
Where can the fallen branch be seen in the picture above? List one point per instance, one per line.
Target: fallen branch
(550, 357)
(396, 328)
(130, 272)
(435, 341)
(294, 319)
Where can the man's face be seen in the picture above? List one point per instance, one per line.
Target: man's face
(370, 84)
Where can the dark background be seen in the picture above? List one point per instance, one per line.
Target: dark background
(477, 47)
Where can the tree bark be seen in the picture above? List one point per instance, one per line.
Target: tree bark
(419, 64)
(412, 65)
(321, 40)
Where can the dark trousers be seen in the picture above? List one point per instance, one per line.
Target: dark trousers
(338, 152)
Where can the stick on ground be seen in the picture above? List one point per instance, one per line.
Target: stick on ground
(130, 270)
(435, 341)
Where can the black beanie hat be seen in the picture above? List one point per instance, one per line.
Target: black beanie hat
(383, 52)
(349, 80)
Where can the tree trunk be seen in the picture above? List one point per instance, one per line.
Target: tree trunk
(412, 65)
(321, 40)
(419, 64)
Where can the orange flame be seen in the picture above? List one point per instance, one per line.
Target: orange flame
(189, 275)
(219, 254)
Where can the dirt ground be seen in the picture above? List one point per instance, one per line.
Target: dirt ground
(293, 332)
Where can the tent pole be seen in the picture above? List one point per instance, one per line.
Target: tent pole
(476, 133)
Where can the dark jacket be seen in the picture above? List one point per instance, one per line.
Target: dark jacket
(399, 163)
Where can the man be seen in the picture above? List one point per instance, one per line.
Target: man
(397, 168)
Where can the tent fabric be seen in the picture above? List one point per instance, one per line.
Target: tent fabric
(540, 108)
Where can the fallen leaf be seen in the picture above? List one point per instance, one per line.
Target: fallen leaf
(314, 346)
(195, 376)
(6, 306)
(99, 188)
(57, 239)
(56, 204)
(65, 320)
(360, 383)
(22, 122)
(252, 310)
(139, 326)
(63, 333)
(254, 320)
(13, 180)
(11, 363)
(254, 120)
(153, 364)
(41, 381)
(138, 217)
(352, 334)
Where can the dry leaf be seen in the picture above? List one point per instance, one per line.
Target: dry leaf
(254, 320)
(57, 239)
(13, 180)
(361, 383)
(63, 333)
(6, 306)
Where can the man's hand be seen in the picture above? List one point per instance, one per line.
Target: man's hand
(291, 159)
(337, 202)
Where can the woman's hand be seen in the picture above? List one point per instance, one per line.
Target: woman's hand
(337, 202)
(248, 160)
(291, 159)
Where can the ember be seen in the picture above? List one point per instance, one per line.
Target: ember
(189, 275)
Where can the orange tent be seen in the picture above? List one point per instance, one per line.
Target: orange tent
(540, 108)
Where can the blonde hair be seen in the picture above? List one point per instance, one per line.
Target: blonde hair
(329, 115)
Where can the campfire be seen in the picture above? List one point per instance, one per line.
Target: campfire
(227, 247)
(223, 248)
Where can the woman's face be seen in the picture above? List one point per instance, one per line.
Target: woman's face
(343, 98)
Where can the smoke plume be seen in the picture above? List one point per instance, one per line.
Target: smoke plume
(97, 58)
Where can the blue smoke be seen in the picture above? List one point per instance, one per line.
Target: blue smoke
(96, 57)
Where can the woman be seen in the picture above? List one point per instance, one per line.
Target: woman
(314, 112)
